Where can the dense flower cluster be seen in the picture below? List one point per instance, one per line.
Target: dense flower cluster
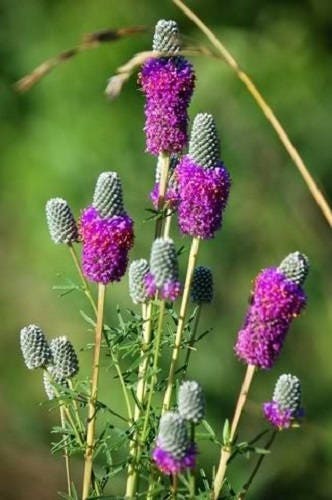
(168, 84)
(106, 242)
(173, 452)
(164, 270)
(276, 300)
(203, 197)
(285, 406)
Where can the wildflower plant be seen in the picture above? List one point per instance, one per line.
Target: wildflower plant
(155, 447)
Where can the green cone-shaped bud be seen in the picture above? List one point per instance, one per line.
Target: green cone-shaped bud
(65, 362)
(107, 198)
(191, 401)
(166, 37)
(204, 144)
(35, 349)
(138, 270)
(295, 267)
(163, 261)
(202, 285)
(60, 220)
(287, 393)
(172, 435)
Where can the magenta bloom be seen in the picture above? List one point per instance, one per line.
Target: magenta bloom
(276, 416)
(168, 83)
(203, 197)
(106, 242)
(169, 464)
(169, 290)
(276, 300)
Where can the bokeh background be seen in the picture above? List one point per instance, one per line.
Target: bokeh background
(58, 137)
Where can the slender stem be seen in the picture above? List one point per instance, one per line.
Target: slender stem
(181, 322)
(66, 456)
(174, 489)
(168, 221)
(85, 286)
(227, 447)
(164, 167)
(75, 408)
(154, 376)
(266, 109)
(123, 386)
(192, 482)
(192, 338)
(140, 396)
(247, 485)
(90, 439)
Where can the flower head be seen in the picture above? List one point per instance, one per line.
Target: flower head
(65, 361)
(168, 84)
(107, 198)
(173, 453)
(164, 271)
(34, 346)
(285, 407)
(201, 291)
(276, 301)
(106, 242)
(138, 270)
(60, 220)
(203, 181)
(191, 401)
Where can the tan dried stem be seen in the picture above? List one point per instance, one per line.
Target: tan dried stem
(266, 109)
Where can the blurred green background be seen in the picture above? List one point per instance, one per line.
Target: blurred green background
(58, 137)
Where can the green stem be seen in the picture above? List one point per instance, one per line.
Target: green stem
(192, 482)
(181, 322)
(85, 286)
(247, 485)
(154, 377)
(90, 439)
(123, 386)
(192, 338)
(140, 396)
(226, 449)
(75, 408)
(66, 455)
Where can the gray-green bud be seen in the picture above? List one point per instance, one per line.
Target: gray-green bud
(204, 144)
(138, 270)
(166, 37)
(201, 290)
(35, 349)
(191, 401)
(60, 220)
(107, 198)
(48, 385)
(287, 393)
(163, 261)
(295, 267)
(172, 435)
(65, 361)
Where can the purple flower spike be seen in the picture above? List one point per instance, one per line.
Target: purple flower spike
(168, 83)
(168, 464)
(285, 407)
(173, 452)
(203, 197)
(106, 242)
(276, 300)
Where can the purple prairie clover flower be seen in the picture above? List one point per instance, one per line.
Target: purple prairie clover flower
(276, 300)
(168, 84)
(174, 452)
(106, 242)
(164, 271)
(285, 408)
(203, 197)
